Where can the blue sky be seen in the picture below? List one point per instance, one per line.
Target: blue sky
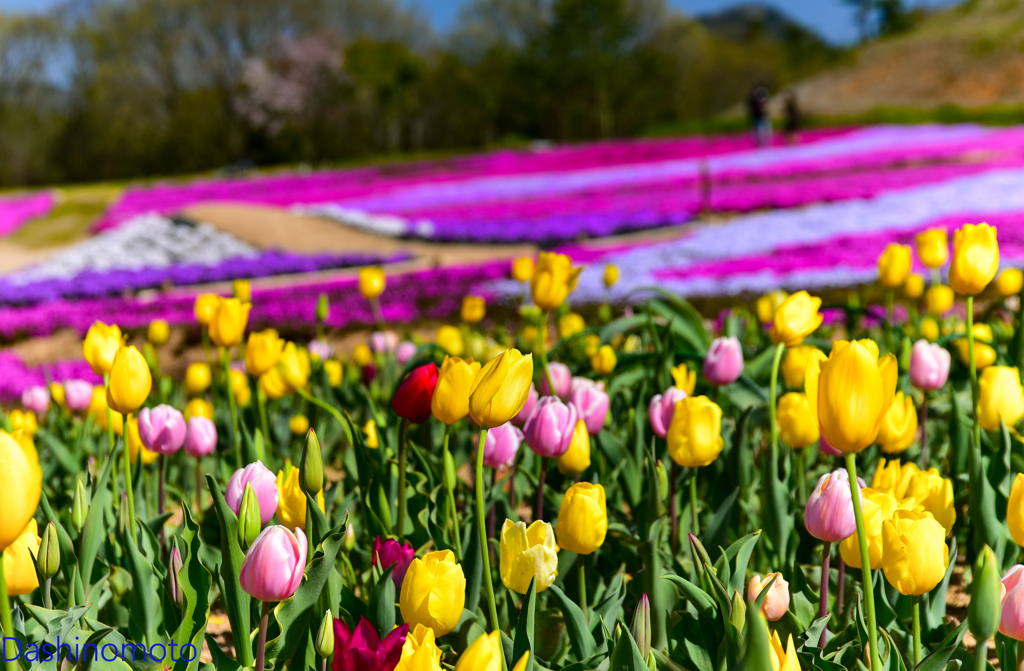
(832, 18)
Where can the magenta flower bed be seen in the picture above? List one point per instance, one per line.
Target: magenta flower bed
(15, 376)
(16, 210)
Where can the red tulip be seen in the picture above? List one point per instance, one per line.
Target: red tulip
(413, 396)
(362, 650)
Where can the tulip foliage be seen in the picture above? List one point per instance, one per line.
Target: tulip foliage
(801, 484)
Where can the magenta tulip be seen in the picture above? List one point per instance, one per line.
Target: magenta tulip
(591, 402)
(828, 514)
(549, 430)
(723, 364)
(201, 437)
(929, 366)
(531, 402)
(37, 399)
(263, 483)
(162, 429)
(362, 650)
(405, 351)
(273, 567)
(662, 408)
(77, 395)
(561, 377)
(1011, 622)
(502, 445)
(391, 552)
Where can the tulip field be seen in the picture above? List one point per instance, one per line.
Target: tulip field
(547, 462)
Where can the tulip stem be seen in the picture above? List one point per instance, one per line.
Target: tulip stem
(865, 562)
(826, 554)
(160, 500)
(481, 529)
(47, 596)
(538, 510)
(226, 357)
(320, 404)
(199, 484)
(261, 642)
(841, 586)
(542, 336)
(1020, 655)
(889, 343)
(5, 621)
(449, 486)
(974, 370)
(128, 477)
(801, 483)
(261, 403)
(583, 589)
(915, 615)
(110, 437)
(694, 518)
(400, 522)
(672, 508)
(923, 457)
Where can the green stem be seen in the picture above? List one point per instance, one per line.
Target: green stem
(772, 391)
(916, 615)
(583, 589)
(5, 619)
(865, 562)
(889, 320)
(974, 370)
(128, 477)
(320, 404)
(110, 439)
(1020, 655)
(226, 358)
(542, 336)
(261, 403)
(801, 484)
(400, 522)
(694, 518)
(451, 493)
(482, 530)
(47, 595)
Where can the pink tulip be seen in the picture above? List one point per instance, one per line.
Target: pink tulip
(383, 341)
(273, 567)
(502, 445)
(591, 402)
(776, 602)
(405, 351)
(531, 402)
(561, 377)
(723, 364)
(77, 394)
(162, 429)
(549, 430)
(201, 437)
(929, 366)
(825, 448)
(263, 483)
(320, 349)
(828, 514)
(662, 408)
(36, 399)
(391, 552)
(1011, 622)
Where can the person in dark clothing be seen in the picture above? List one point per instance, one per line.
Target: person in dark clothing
(761, 123)
(792, 119)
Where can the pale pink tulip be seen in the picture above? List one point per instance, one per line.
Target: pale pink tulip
(591, 402)
(929, 366)
(662, 408)
(549, 430)
(531, 402)
(502, 445)
(723, 364)
(36, 399)
(273, 567)
(561, 377)
(77, 394)
(776, 602)
(263, 482)
(201, 437)
(162, 429)
(828, 514)
(1011, 622)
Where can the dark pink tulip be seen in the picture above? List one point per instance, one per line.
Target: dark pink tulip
(362, 650)
(531, 402)
(549, 430)
(390, 551)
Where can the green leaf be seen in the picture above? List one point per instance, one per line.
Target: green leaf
(692, 593)
(715, 533)
(523, 641)
(938, 659)
(756, 649)
(194, 580)
(235, 600)
(68, 556)
(626, 656)
(582, 640)
(381, 612)
(93, 532)
(143, 597)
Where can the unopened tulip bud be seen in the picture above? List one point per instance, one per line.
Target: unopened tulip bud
(641, 627)
(662, 479)
(48, 559)
(325, 636)
(311, 469)
(123, 513)
(79, 507)
(248, 518)
(350, 537)
(986, 593)
(173, 586)
(323, 308)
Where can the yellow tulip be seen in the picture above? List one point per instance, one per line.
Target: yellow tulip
(553, 280)
(262, 351)
(892, 478)
(593, 344)
(334, 371)
(877, 507)
(24, 420)
(198, 407)
(294, 366)
(1001, 396)
(242, 290)
(604, 361)
(159, 331)
(975, 258)
(240, 387)
(528, 553)
(929, 329)
(695, 435)
(1010, 282)
(198, 377)
(227, 326)
(450, 402)
(20, 561)
(19, 496)
(420, 652)
(914, 286)
(371, 282)
(933, 494)
(783, 659)
(570, 324)
(582, 519)
(576, 459)
(57, 394)
(484, 654)
(298, 424)
(98, 411)
(100, 346)
(522, 268)
(894, 265)
(914, 552)
(984, 354)
(450, 339)
(767, 305)
(434, 592)
(473, 309)
(135, 446)
(500, 388)
(796, 423)
(291, 500)
(794, 364)
(933, 247)
(370, 431)
(854, 389)
(899, 425)
(611, 275)
(686, 380)
(938, 299)
(205, 307)
(273, 385)
(130, 381)
(362, 355)
(1015, 510)
(28, 446)
(795, 319)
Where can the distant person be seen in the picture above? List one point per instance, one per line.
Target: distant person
(792, 119)
(761, 123)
